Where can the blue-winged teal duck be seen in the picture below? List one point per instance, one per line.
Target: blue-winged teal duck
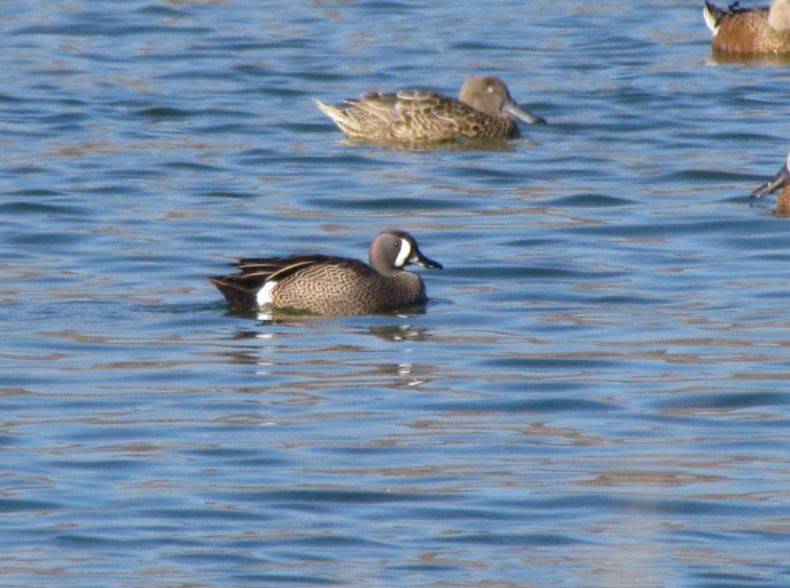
(319, 284)
(781, 181)
(484, 109)
(750, 30)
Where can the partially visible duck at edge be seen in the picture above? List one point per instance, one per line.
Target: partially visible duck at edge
(781, 182)
(325, 285)
(757, 30)
(484, 110)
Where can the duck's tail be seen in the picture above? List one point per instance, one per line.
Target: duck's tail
(339, 116)
(713, 15)
(236, 294)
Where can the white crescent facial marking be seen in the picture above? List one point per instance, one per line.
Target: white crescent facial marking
(404, 254)
(264, 296)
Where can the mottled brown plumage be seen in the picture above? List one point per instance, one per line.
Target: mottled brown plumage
(320, 284)
(484, 109)
(759, 30)
(781, 182)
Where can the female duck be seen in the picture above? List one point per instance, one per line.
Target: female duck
(484, 109)
(320, 284)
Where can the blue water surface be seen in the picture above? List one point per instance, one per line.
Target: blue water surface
(595, 395)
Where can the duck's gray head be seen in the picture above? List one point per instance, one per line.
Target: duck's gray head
(780, 180)
(391, 250)
(489, 94)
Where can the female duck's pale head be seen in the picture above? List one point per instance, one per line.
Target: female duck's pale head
(490, 95)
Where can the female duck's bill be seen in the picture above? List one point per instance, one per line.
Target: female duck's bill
(780, 180)
(324, 285)
(757, 30)
(483, 110)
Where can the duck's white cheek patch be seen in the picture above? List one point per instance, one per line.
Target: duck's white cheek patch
(265, 294)
(404, 254)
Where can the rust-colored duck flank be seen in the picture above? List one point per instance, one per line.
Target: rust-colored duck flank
(781, 182)
(320, 284)
(484, 109)
(755, 30)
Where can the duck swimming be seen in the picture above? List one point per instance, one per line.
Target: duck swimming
(484, 109)
(321, 284)
(781, 182)
(763, 29)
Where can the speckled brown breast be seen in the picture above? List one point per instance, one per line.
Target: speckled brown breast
(749, 32)
(347, 287)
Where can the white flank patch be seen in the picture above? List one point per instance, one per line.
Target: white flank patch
(264, 296)
(404, 254)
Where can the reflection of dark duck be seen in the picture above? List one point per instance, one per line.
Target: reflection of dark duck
(320, 284)
(749, 30)
(781, 182)
(484, 109)
(399, 333)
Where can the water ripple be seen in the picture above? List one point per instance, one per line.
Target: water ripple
(594, 393)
